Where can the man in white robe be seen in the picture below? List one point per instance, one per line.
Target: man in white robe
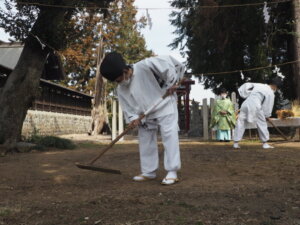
(139, 87)
(256, 110)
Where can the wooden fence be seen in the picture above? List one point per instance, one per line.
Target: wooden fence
(203, 123)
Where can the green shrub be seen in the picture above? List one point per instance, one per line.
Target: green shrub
(4, 212)
(43, 142)
(56, 142)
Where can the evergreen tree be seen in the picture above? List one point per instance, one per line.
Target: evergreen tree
(118, 31)
(233, 38)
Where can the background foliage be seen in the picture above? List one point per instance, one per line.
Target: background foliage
(234, 38)
(118, 31)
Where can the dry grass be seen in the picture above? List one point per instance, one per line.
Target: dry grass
(296, 108)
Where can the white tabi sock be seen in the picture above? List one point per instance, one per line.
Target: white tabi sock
(266, 146)
(172, 174)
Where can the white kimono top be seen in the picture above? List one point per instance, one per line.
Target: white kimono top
(151, 78)
(259, 99)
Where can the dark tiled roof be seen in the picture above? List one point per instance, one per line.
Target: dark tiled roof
(10, 54)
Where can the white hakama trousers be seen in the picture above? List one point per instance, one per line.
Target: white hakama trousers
(260, 123)
(148, 143)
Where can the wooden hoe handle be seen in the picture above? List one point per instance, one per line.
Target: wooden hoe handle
(279, 131)
(130, 127)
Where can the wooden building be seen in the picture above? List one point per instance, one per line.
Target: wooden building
(53, 97)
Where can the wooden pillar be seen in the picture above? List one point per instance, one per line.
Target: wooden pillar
(296, 47)
(179, 107)
(50, 99)
(234, 101)
(184, 111)
(236, 107)
(114, 119)
(187, 108)
(121, 124)
(205, 119)
(211, 103)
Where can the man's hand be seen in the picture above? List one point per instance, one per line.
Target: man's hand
(135, 123)
(223, 112)
(268, 119)
(172, 89)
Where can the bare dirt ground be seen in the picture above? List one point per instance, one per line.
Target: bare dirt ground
(218, 186)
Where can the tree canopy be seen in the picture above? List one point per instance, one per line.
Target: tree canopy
(20, 19)
(217, 39)
(118, 31)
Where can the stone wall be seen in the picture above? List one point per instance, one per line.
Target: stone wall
(50, 123)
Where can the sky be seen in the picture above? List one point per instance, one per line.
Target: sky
(158, 38)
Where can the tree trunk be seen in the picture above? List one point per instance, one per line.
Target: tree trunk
(22, 85)
(296, 66)
(99, 111)
(19, 91)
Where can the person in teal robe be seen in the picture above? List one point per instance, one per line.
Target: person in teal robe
(223, 117)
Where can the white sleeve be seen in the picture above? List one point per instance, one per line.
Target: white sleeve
(166, 68)
(129, 113)
(246, 89)
(268, 104)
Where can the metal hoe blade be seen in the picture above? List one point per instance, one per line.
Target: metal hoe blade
(90, 167)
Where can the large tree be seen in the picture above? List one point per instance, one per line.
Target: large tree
(234, 38)
(42, 29)
(118, 31)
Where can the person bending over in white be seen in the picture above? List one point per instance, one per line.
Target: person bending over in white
(139, 87)
(256, 109)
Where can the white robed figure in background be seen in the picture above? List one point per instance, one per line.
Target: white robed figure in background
(256, 109)
(139, 87)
